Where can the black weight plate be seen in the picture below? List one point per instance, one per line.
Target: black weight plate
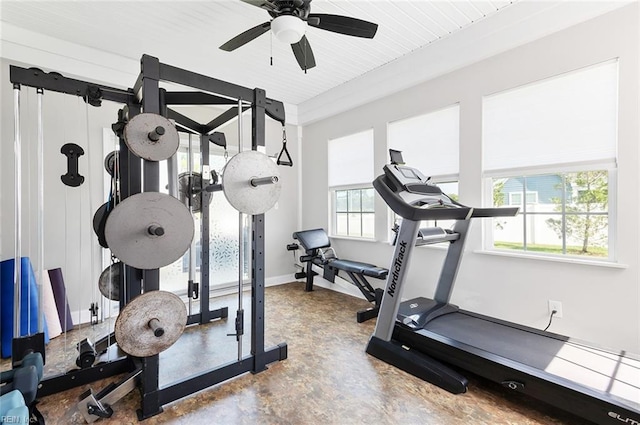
(110, 281)
(99, 222)
(196, 198)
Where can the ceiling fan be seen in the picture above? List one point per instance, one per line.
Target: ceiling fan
(289, 23)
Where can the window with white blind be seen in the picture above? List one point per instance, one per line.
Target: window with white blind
(430, 142)
(550, 148)
(350, 167)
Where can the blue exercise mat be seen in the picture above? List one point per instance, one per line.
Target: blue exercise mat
(28, 304)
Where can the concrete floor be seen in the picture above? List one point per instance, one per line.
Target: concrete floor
(326, 379)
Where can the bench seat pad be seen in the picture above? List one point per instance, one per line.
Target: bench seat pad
(358, 267)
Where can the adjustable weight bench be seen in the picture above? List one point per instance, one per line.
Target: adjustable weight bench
(318, 252)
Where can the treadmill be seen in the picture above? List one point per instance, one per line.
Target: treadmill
(433, 339)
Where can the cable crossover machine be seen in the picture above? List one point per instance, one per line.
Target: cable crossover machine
(146, 230)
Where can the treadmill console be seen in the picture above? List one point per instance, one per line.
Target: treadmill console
(408, 179)
(410, 195)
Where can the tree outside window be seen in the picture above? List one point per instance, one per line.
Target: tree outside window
(585, 213)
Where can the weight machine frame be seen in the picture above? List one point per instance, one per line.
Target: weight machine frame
(148, 96)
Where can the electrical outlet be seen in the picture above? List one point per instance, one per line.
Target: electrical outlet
(557, 306)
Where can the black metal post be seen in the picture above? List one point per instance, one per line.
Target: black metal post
(130, 184)
(257, 242)
(151, 278)
(205, 237)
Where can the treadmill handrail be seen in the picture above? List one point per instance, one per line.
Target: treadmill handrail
(383, 185)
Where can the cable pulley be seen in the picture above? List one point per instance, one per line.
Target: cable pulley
(251, 182)
(151, 137)
(110, 162)
(150, 323)
(149, 230)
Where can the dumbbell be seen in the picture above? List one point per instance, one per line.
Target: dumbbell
(24, 378)
(31, 359)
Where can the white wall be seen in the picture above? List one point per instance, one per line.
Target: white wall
(69, 241)
(600, 303)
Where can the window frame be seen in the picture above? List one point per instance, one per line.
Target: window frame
(612, 217)
(598, 153)
(360, 182)
(455, 106)
(333, 219)
(437, 179)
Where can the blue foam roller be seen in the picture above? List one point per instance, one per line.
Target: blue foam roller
(28, 303)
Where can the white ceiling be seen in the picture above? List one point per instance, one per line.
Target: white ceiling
(187, 34)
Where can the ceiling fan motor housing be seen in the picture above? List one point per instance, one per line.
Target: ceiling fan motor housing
(299, 8)
(288, 29)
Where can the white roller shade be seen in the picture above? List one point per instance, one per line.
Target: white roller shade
(570, 118)
(429, 142)
(351, 159)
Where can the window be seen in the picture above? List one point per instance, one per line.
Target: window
(173, 276)
(430, 143)
(568, 214)
(553, 144)
(449, 188)
(223, 227)
(350, 166)
(354, 213)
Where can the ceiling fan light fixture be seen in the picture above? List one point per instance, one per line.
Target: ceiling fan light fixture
(288, 29)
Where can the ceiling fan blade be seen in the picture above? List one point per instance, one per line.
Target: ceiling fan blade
(304, 54)
(242, 39)
(343, 25)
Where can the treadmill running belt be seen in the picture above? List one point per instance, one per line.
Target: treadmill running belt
(612, 373)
